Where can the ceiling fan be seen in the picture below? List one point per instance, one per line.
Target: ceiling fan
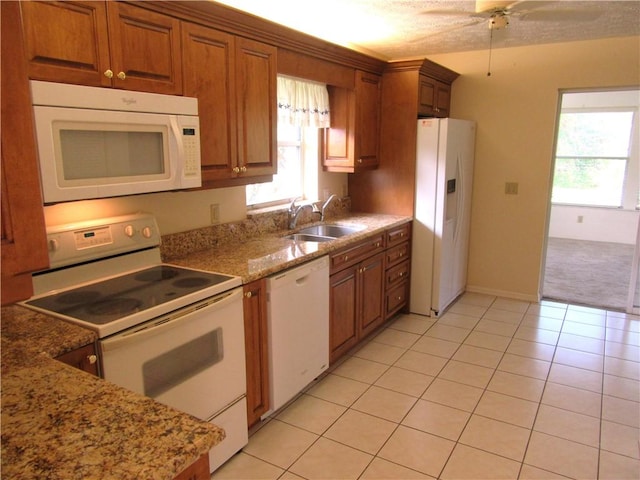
(496, 13)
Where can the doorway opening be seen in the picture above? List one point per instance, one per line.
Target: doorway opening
(593, 222)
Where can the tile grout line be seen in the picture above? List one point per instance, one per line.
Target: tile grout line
(437, 376)
(535, 418)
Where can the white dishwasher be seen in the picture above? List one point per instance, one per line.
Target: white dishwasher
(298, 318)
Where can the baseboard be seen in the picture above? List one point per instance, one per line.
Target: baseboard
(504, 293)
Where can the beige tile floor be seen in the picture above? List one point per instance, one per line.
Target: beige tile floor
(494, 388)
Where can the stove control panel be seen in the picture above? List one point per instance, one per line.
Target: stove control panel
(93, 237)
(80, 242)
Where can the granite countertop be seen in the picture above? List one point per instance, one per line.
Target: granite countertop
(61, 423)
(266, 254)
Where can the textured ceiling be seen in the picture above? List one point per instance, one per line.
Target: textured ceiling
(402, 29)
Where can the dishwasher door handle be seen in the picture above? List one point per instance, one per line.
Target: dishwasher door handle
(302, 280)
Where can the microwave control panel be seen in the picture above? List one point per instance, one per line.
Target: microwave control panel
(191, 144)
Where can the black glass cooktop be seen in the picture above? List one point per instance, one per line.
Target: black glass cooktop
(108, 300)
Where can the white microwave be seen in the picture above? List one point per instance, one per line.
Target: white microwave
(100, 142)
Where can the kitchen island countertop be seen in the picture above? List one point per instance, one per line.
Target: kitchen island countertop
(61, 423)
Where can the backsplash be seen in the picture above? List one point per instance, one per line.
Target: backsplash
(176, 245)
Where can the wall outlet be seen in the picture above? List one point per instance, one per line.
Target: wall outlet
(511, 188)
(215, 213)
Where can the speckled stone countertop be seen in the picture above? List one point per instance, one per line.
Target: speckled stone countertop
(268, 253)
(61, 423)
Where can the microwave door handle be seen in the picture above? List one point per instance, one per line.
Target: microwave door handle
(177, 135)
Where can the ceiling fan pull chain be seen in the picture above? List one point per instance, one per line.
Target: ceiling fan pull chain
(490, 44)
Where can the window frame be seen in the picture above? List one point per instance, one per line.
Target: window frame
(628, 182)
(310, 160)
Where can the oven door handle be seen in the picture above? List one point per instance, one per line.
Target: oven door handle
(170, 321)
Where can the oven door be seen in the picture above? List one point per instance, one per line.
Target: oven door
(192, 359)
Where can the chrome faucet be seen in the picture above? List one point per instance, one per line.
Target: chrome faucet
(294, 212)
(324, 206)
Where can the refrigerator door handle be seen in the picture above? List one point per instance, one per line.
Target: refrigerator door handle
(459, 200)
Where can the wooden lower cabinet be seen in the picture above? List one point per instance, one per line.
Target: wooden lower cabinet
(356, 295)
(397, 269)
(343, 328)
(83, 358)
(397, 289)
(369, 284)
(256, 349)
(198, 470)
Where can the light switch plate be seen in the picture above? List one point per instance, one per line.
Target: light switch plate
(511, 188)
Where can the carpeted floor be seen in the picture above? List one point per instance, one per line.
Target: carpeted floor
(588, 273)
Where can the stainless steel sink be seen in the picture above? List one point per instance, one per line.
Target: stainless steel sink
(305, 237)
(333, 231)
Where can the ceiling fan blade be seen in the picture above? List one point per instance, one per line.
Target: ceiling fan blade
(564, 15)
(483, 6)
(449, 13)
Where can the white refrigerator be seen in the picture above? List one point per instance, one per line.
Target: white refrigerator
(444, 172)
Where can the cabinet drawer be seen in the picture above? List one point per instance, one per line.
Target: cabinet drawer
(398, 234)
(396, 298)
(397, 274)
(352, 255)
(398, 254)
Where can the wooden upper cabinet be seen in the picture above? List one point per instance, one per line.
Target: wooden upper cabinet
(145, 49)
(208, 57)
(67, 41)
(103, 44)
(256, 84)
(24, 241)
(434, 98)
(368, 91)
(234, 80)
(352, 142)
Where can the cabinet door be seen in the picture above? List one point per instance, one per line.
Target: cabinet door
(371, 294)
(352, 142)
(67, 41)
(24, 241)
(256, 106)
(208, 66)
(434, 98)
(368, 91)
(256, 349)
(443, 99)
(339, 140)
(343, 323)
(145, 49)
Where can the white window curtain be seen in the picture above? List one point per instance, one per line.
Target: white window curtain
(302, 103)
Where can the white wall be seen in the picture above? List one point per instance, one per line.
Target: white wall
(175, 211)
(515, 109)
(594, 224)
